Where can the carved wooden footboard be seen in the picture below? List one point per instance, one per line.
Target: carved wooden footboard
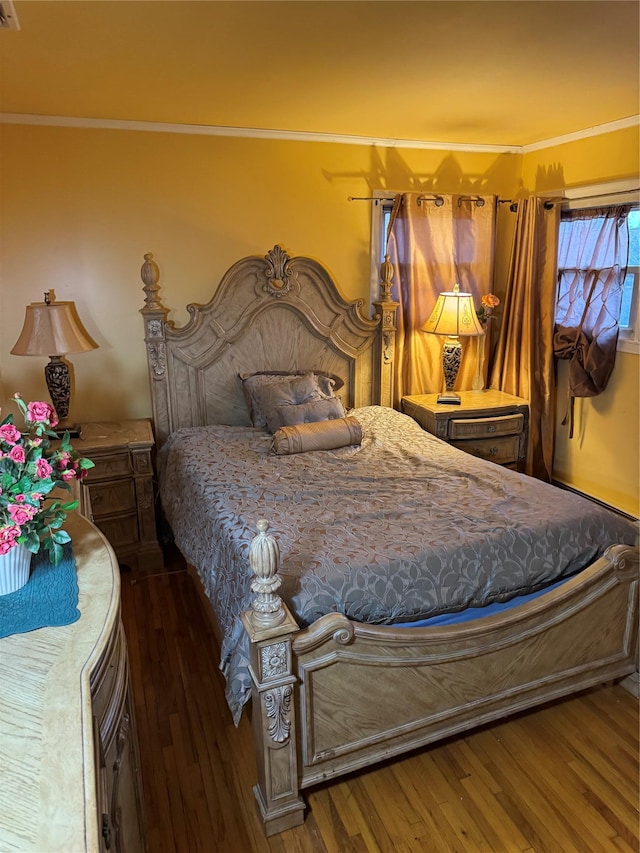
(340, 695)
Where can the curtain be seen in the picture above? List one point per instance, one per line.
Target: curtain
(592, 264)
(523, 363)
(432, 247)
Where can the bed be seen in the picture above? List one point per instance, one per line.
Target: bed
(383, 593)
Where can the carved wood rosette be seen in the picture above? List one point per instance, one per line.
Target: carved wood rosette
(280, 277)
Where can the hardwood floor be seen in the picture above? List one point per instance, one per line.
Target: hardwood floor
(563, 778)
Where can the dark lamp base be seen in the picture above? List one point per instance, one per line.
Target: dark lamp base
(448, 399)
(74, 430)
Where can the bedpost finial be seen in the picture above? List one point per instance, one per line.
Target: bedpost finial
(386, 274)
(150, 273)
(264, 559)
(264, 554)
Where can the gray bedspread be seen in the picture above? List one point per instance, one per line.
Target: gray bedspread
(403, 527)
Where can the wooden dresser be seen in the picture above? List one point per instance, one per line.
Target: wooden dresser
(489, 424)
(69, 763)
(121, 493)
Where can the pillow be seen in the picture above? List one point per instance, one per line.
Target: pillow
(319, 435)
(315, 410)
(267, 398)
(325, 383)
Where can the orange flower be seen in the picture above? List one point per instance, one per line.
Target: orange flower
(487, 303)
(490, 300)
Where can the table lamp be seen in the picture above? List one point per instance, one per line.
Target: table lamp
(453, 316)
(54, 329)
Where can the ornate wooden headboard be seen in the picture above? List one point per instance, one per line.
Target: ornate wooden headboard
(268, 313)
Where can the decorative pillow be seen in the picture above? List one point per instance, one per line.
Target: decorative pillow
(325, 383)
(319, 435)
(315, 410)
(265, 399)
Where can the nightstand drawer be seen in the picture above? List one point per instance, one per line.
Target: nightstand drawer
(109, 498)
(119, 489)
(502, 449)
(120, 530)
(108, 467)
(486, 427)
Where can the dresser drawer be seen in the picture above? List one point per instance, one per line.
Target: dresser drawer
(108, 467)
(108, 498)
(460, 428)
(502, 449)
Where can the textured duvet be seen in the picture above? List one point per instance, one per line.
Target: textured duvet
(401, 528)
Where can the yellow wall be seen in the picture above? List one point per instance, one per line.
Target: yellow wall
(603, 457)
(79, 208)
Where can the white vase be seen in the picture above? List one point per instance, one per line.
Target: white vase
(15, 566)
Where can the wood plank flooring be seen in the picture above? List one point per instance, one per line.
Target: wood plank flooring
(563, 778)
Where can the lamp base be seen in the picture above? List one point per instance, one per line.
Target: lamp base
(58, 379)
(74, 430)
(449, 398)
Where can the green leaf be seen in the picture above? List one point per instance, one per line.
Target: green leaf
(61, 536)
(31, 542)
(54, 550)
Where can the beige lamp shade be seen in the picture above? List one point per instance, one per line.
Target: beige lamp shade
(454, 315)
(52, 328)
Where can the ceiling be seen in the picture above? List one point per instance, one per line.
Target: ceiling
(507, 73)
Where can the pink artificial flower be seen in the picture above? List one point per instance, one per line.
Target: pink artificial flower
(41, 413)
(21, 514)
(19, 499)
(16, 454)
(8, 537)
(69, 475)
(63, 460)
(43, 469)
(9, 433)
(9, 533)
(36, 496)
(35, 442)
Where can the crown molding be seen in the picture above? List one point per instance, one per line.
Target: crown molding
(597, 130)
(306, 136)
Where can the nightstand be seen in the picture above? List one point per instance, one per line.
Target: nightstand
(120, 488)
(489, 424)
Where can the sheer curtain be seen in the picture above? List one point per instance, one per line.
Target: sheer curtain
(592, 264)
(523, 363)
(432, 247)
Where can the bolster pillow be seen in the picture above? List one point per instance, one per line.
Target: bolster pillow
(319, 435)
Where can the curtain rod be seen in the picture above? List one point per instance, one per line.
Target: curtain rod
(513, 205)
(436, 198)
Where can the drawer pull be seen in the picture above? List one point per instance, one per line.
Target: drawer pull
(493, 451)
(492, 428)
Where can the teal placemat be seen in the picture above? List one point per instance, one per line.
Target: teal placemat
(49, 598)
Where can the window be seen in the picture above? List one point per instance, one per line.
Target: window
(586, 257)
(381, 209)
(629, 337)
